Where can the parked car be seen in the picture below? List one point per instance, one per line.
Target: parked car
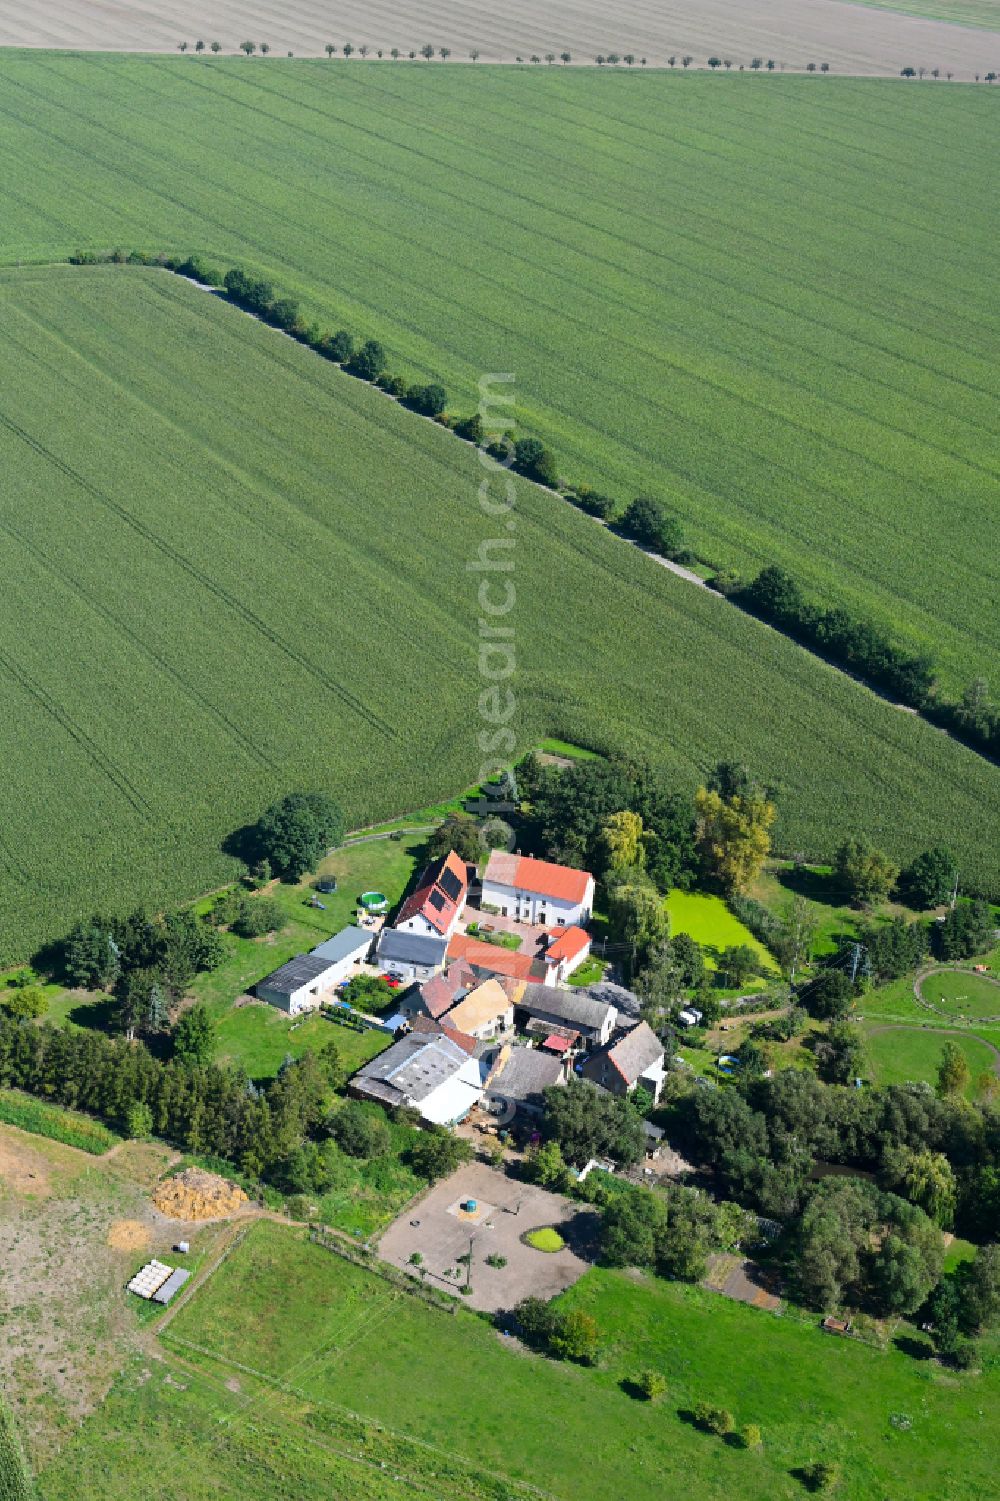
(326, 884)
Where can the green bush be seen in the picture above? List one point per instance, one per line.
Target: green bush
(652, 1384)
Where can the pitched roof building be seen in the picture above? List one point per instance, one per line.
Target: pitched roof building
(302, 984)
(537, 891)
(436, 905)
(411, 956)
(491, 959)
(431, 1073)
(552, 1011)
(634, 1058)
(485, 1011)
(518, 1082)
(430, 1028)
(566, 951)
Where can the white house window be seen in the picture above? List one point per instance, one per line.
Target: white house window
(560, 922)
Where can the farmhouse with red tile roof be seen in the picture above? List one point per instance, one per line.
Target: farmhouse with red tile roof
(535, 891)
(435, 907)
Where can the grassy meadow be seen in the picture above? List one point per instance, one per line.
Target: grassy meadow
(708, 920)
(231, 541)
(700, 284)
(279, 1348)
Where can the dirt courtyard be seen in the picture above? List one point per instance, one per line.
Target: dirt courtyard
(851, 38)
(440, 1230)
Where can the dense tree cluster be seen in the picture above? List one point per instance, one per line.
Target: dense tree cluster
(568, 812)
(859, 1245)
(671, 1232)
(588, 1122)
(197, 1106)
(147, 962)
(966, 931)
(566, 1334)
(764, 1138)
(295, 833)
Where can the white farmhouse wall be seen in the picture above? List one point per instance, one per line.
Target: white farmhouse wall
(528, 906)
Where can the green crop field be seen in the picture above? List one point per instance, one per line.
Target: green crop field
(768, 300)
(289, 1346)
(232, 569)
(984, 14)
(68, 1126)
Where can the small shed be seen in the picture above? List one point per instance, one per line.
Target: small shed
(303, 984)
(173, 1285)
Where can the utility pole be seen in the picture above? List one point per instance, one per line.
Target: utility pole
(856, 951)
(954, 894)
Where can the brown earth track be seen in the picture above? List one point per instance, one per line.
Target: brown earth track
(850, 37)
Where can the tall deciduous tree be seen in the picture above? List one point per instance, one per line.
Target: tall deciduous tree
(294, 833)
(733, 834)
(621, 843)
(953, 1071)
(930, 879)
(866, 873)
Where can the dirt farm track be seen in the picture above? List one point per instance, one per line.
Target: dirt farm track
(850, 37)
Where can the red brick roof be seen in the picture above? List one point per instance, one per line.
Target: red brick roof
(557, 1044)
(566, 943)
(434, 901)
(438, 994)
(492, 957)
(428, 1026)
(538, 876)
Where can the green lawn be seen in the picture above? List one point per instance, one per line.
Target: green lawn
(709, 922)
(336, 1337)
(962, 995)
(899, 1056)
(835, 919)
(281, 653)
(256, 1036)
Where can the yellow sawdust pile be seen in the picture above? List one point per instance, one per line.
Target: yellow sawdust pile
(197, 1195)
(128, 1235)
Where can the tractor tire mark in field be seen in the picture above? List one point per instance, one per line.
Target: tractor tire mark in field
(120, 625)
(940, 1032)
(90, 748)
(12, 862)
(236, 605)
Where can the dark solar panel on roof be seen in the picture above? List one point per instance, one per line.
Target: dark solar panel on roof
(450, 883)
(436, 900)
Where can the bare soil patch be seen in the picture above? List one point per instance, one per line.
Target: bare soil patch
(129, 1235)
(22, 1169)
(744, 1281)
(68, 1235)
(850, 37)
(434, 1230)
